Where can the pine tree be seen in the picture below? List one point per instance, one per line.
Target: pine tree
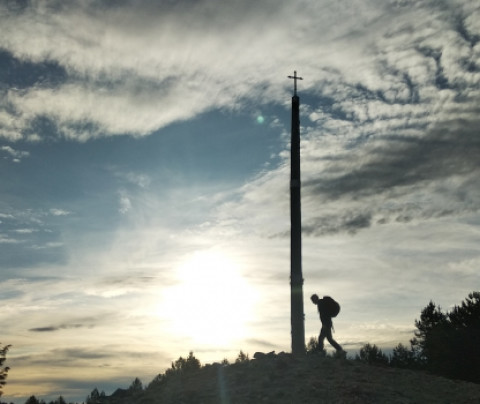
(447, 344)
(3, 370)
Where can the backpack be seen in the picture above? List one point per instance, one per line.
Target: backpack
(332, 307)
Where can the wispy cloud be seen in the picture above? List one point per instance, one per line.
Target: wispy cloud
(406, 102)
(24, 231)
(48, 245)
(16, 155)
(8, 240)
(175, 78)
(124, 202)
(59, 212)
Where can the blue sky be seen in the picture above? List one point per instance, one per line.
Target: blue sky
(144, 155)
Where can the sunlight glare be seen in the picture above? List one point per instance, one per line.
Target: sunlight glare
(211, 303)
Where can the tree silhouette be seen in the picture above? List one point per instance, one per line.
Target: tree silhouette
(59, 400)
(182, 365)
(95, 396)
(402, 357)
(463, 353)
(242, 357)
(372, 355)
(32, 400)
(447, 344)
(136, 385)
(425, 343)
(3, 370)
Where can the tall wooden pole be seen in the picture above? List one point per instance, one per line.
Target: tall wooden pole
(296, 277)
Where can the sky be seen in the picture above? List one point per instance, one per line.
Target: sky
(144, 188)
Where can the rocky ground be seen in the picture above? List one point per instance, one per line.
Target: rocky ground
(313, 379)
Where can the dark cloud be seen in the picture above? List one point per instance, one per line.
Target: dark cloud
(391, 160)
(68, 357)
(57, 328)
(441, 82)
(449, 149)
(327, 225)
(378, 170)
(17, 6)
(81, 353)
(44, 329)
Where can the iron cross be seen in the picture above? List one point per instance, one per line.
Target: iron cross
(295, 78)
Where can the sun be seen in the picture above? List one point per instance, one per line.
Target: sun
(211, 303)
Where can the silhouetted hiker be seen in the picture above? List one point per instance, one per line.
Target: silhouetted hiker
(326, 314)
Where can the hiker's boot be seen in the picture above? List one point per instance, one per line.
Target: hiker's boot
(341, 354)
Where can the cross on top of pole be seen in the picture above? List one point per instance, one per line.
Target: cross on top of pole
(295, 78)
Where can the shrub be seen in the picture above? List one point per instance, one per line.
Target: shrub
(372, 355)
(312, 345)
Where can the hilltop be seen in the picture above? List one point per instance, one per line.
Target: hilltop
(285, 379)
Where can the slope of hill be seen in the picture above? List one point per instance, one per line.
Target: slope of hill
(313, 379)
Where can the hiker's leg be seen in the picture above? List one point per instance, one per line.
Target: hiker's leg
(321, 338)
(332, 341)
